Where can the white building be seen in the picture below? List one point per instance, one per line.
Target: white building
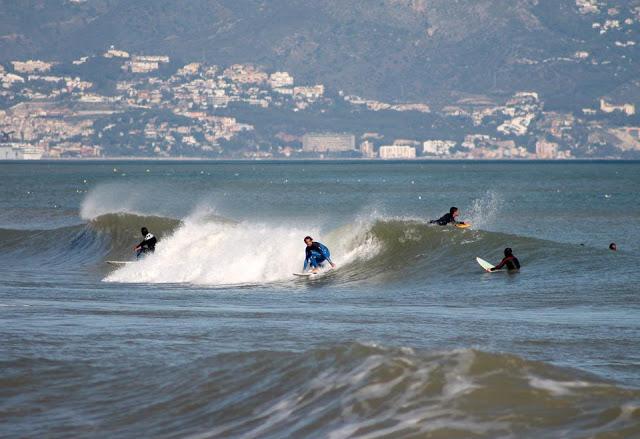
(438, 147)
(546, 150)
(315, 92)
(628, 109)
(151, 58)
(31, 66)
(140, 67)
(518, 126)
(17, 151)
(366, 149)
(280, 79)
(397, 152)
(115, 53)
(328, 142)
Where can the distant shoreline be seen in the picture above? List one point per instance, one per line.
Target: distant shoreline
(318, 160)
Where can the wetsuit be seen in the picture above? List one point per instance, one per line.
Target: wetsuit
(315, 255)
(148, 244)
(511, 262)
(444, 220)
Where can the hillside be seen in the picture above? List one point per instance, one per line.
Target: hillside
(406, 50)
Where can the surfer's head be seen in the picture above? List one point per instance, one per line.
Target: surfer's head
(144, 231)
(308, 240)
(508, 251)
(453, 211)
(613, 246)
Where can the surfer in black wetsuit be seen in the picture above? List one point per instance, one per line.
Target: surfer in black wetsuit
(148, 244)
(448, 218)
(511, 262)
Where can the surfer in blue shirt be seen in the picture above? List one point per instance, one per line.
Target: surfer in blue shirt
(448, 218)
(148, 244)
(315, 255)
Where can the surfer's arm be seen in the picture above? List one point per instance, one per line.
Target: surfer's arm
(149, 240)
(500, 265)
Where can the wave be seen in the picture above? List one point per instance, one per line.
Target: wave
(107, 236)
(207, 249)
(350, 390)
(201, 251)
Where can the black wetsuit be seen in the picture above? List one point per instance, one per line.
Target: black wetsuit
(444, 220)
(148, 244)
(511, 262)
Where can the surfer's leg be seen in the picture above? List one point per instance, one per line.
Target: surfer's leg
(313, 263)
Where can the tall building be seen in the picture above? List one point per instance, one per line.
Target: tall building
(546, 150)
(397, 152)
(328, 142)
(366, 149)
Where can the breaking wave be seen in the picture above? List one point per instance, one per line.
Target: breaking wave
(348, 390)
(206, 249)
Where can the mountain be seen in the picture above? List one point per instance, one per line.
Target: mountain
(402, 50)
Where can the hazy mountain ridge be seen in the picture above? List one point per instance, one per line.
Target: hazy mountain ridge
(411, 50)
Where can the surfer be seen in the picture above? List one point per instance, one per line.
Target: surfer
(148, 244)
(511, 262)
(448, 218)
(315, 255)
(613, 247)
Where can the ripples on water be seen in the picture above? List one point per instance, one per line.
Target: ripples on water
(213, 337)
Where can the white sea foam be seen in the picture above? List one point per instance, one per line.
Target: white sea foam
(485, 210)
(117, 198)
(557, 388)
(207, 252)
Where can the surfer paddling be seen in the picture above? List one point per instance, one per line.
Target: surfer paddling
(148, 244)
(511, 262)
(316, 255)
(449, 218)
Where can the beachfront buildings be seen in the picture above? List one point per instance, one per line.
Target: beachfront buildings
(546, 150)
(328, 142)
(367, 150)
(438, 147)
(391, 152)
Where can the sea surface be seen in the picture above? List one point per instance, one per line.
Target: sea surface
(212, 336)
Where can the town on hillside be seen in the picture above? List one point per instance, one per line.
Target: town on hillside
(122, 104)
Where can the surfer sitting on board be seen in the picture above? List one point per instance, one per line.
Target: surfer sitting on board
(148, 244)
(448, 218)
(315, 255)
(510, 261)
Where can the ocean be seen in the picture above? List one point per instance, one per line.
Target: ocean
(212, 336)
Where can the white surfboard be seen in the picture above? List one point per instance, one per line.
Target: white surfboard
(120, 263)
(484, 264)
(306, 274)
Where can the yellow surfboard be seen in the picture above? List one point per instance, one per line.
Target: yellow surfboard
(463, 226)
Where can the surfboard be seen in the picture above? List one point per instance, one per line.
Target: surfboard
(120, 263)
(484, 264)
(306, 274)
(463, 226)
